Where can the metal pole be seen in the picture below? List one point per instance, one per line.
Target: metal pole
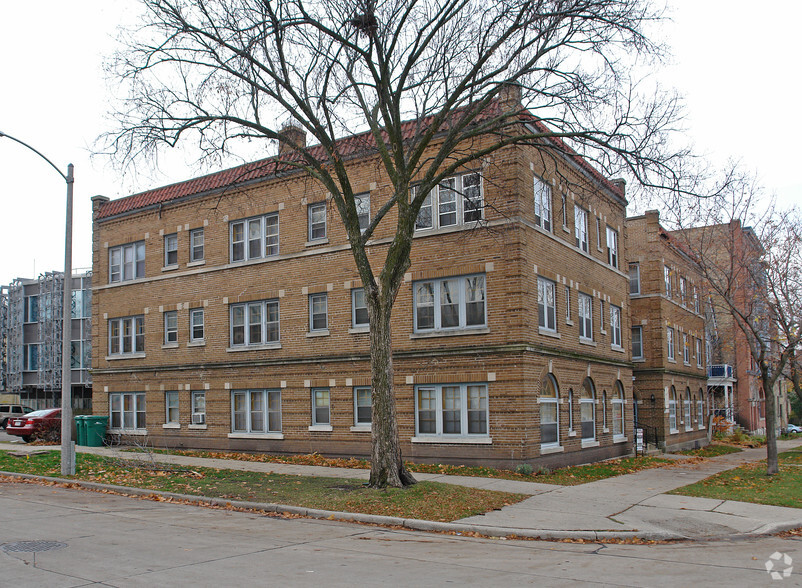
(67, 448)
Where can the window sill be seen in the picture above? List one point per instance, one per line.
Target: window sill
(320, 333)
(196, 427)
(169, 268)
(253, 435)
(638, 359)
(602, 331)
(196, 263)
(566, 229)
(321, 428)
(358, 330)
(617, 348)
(673, 431)
(687, 363)
(569, 322)
(547, 449)
(619, 439)
(201, 343)
(548, 333)
(671, 360)
(125, 356)
(605, 430)
(171, 426)
(137, 432)
(253, 347)
(315, 242)
(468, 440)
(572, 433)
(455, 333)
(589, 443)
(361, 429)
(170, 346)
(588, 342)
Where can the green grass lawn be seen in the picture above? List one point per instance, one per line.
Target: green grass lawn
(712, 450)
(425, 500)
(749, 483)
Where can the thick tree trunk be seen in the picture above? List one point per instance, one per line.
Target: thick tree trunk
(773, 466)
(387, 467)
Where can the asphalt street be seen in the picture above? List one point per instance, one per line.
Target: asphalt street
(61, 537)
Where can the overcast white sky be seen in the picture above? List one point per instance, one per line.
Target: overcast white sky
(737, 67)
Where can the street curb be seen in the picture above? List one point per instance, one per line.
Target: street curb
(412, 524)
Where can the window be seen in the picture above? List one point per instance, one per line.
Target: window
(615, 325)
(699, 362)
(672, 410)
(598, 233)
(317, 221)
(570, 410)
(359, 308)
(686, 349)
(171, 408)
(170, 327)
(443, 206)
(321, 406)
(546, 308)
(542, 204)
(637, 342)
(127, 411)
(80, 357)
(199, 407)
(318, 312)
(670, 342)
(634, 279)
(81, 304)
(667, 277)
(568, 304)
(451, 410)
(604, 410)
(170, 250)
(254, 238)
(549, 412)
(612, 246)
(585, 316)
(31, 309)
(254, 323)
(362, 203)
(255, 411)
(127, 262)
(363, 405)
(695, 300)
(127, 335)
(196, 326)
(683, 290)
(581, 228)
(587, 410)
(601, 316)
(618, 410)
(454, 303)
(196, 252)
(700, 410)
(30, 358)
(686, 409)
(565, 211)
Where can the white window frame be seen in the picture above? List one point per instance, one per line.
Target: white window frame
(251, 424)
(360, 392)
(695, 300)
(552, 403)
(672, 410)
(619, 424)
(137, 414)
(266, 306)
(197, 325)
(171, 327)
(129, 264)
(604, 411)
(437, 405)
(615, 325)
(700, 412)
(612, 247)
(564, 202)
(453, 196)
(197, 247)
(585, 316)
(358, 303)
(198, 407)
(598, 234)
(543, 208)
(321, 400)
(263, 243)
(587, 405)
(639, 338)
(699, 357)
(362, 204)
(634, 280)
(317, 225)
(171, 250)
(686, 410)
(317, 301)
(171, 408)
(568, 305)
(464, 287)
(135, 337)
(546, 309)
(686, 349)
(581, 228)
(667, 280)
(683, 290)
(670, 343)
(571, 412)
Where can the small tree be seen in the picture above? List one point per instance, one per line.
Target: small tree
(437, 85)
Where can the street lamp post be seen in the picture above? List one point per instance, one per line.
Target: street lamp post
(67, 446)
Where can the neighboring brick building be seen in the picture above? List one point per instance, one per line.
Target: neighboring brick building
(230, 311)
(668, 336)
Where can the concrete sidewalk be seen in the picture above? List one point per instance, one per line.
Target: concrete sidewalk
(628, 506)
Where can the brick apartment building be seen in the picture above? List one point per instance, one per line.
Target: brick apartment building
(668, 336)
(231, 315)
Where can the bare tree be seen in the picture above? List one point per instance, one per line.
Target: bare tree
(433, 84)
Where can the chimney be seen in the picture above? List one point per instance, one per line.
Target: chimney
(291, 136)
(621, 184)
(509, 96)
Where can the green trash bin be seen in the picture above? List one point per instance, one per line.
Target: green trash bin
(96, 430)
(80, 429)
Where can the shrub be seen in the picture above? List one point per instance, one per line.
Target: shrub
(524, 469)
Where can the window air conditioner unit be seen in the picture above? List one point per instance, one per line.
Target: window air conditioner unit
(198, 418)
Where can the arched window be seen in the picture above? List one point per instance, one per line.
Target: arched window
(587, 410)
(618, 410)
(549, 412)
(700, 410)
(672, 410)
(604, 410)
(686, 409)
(570, 410)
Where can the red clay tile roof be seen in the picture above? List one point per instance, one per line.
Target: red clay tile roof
(270, 167)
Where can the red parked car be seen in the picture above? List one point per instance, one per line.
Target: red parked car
(35, 424)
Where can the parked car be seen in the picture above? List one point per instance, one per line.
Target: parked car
(8, 411)
(35, 424)
(793, 428)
